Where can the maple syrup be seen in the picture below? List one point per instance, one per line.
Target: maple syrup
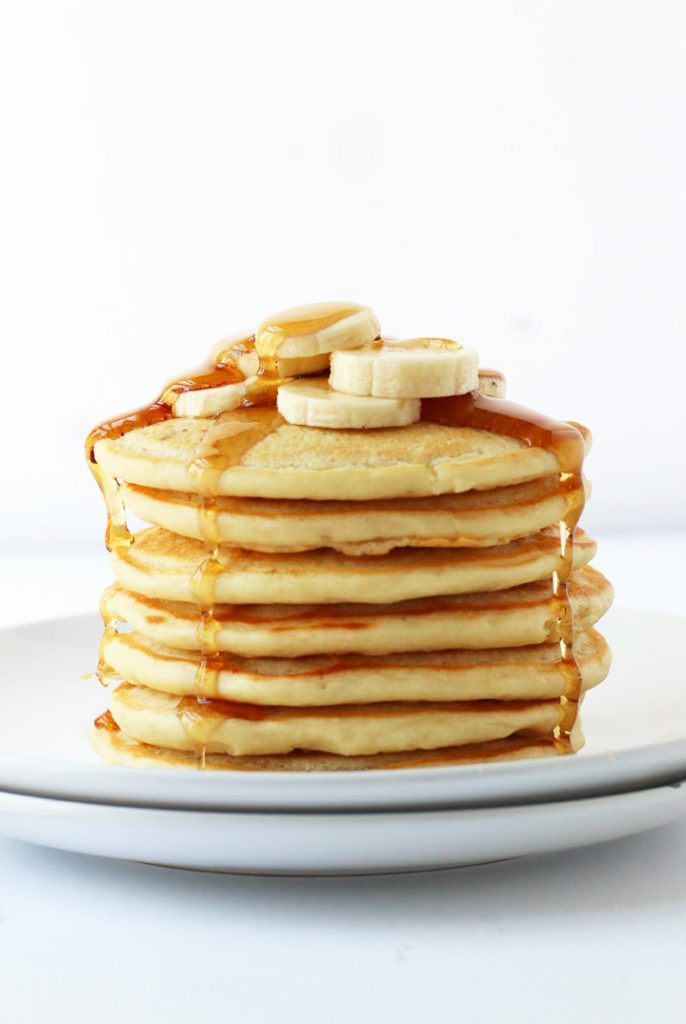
(212, 374)
(566, 441)
(232, 434)
(105, 675)
(106, 721)
(203, 586)
(199, 716)
(296, 323)
(500, 416)
(223, 445)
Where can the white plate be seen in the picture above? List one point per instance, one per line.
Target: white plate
(635, 725)
(324, 843)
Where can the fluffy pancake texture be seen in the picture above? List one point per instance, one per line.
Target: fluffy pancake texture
(517, 617)
(315, 463)
(163, 720)
(164, 565)
(117, 748)
(336, 599)
(318, 681)
(468, 519)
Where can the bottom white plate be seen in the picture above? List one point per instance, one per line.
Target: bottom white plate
(324, 843)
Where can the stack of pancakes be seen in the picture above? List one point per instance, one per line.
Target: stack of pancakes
(341, 599)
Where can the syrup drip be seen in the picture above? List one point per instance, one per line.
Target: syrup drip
(503, 417)
(572, 485)
(199, 716)
(223, 446)
(233, 434)
(203, 586)
(104, 674)
(210, 375)
(482, 412)
(106, 721)
(207, 520)
(206, 707)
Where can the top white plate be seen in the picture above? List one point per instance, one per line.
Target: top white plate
(635, 725)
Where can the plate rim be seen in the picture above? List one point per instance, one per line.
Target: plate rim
(661, 774)
(357, 844)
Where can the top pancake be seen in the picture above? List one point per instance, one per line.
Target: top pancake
(306, 462)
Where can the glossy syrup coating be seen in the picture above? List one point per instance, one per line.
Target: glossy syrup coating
(234, 434)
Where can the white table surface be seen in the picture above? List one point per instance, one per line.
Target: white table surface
(595, 934)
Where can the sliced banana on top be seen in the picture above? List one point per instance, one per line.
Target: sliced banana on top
(307, 333)
(305, 340)
(312, 403)
(248, 361)
(416, 368)
(236, 350)
(237, 359)
(212, 401)
(240, 350)
(492, 383)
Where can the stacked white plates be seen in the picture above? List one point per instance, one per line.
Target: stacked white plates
(630, 777)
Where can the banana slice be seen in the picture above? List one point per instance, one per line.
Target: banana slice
(236, 350)
(309, 333)
(312, 403)
(244, 354)
(492, 383)
(416, 368)
(212, 401)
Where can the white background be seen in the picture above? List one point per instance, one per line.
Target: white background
(508, 173)
(585, 937)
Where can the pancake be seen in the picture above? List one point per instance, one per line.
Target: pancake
(469, 519)
(519, 673)
(117, 748)
(311, 599)
(222, 727)
(162, 565)
(516, 617)
(272, 459)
